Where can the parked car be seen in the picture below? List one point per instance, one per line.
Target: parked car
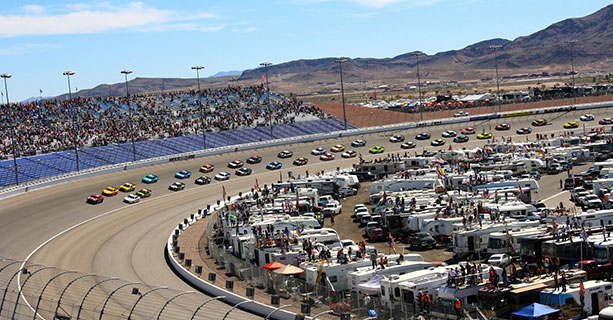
(422, 240)
(347, 191)
(332, 208)
(374, 232)
(499, 259)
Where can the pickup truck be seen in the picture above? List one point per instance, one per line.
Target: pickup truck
(332, 208)
(595, 270)
(374, 232)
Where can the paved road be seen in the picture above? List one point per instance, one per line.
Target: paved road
(126, 241)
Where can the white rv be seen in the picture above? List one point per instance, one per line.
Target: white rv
(598, 295)
(363, 275)
(475, 241)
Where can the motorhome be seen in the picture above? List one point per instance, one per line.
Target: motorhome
(510, 241)
(397, 184)
(568, 251)
(513, 209)
(474, 241)
(598, 295)
(442, 228)
(363, 275)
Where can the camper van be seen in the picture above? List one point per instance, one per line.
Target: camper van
(469, 242)
(598, 295)
(363, 275)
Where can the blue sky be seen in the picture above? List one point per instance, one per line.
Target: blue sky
(96, 39)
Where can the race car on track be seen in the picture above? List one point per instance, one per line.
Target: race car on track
(539, 122)
(301, 161)
(150, 178)
(207, 168)
(127, 187)
(460, 139)
(461, 114)
(222, 176)
(131, 198)
(523, 131)
(397, 138)
(326, 156)
(243, 171)
(275, 165)
(203, 180)
(437, 142)
(235, 164)
(484, 135)
(176, 186)
(503, 126)
(144, 193)
(376, 149)
(605, 121)
(408, 145)
(349, 154)
(571, 125)
(337, 148)
(254, 160)
(587, 117)
(183, 174)
(95, 198)
(468, 131)
(449, 134)
(423, 136)
(358, 143)
(110, 191)
(285, 154)
(319, 150)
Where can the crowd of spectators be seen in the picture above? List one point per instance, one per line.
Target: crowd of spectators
(56, 125)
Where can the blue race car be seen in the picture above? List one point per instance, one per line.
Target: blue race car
(274, 165)
(150, 178)
(183, 174)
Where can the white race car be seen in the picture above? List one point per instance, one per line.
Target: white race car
(587, 117)
(131, 198)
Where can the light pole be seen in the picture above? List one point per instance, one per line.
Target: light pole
(126, 73)
(74, 118)
(421, 109)
(572, 43)
(340, 66)
(198, 68)
(266, 65)
(12, 127)
(495, 48)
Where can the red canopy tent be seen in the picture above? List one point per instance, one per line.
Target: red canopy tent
(273, 266)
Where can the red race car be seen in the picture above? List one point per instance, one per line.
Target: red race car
(326, 156)
(95, 198)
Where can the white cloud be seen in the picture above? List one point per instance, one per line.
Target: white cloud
(84, 18)
(377, 3)
(27, 48)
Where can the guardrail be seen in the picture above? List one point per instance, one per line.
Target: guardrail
(11, 191)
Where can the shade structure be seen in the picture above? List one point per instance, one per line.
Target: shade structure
(289, 270)
(534, 311)
(273, 266)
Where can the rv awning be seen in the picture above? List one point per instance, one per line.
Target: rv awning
(373, 285)
(536, 286)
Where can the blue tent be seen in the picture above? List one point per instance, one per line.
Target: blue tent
(534, 311)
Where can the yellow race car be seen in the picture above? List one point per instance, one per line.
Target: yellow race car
(338, 148)
(110, 191)
(484, 135)
(127, 187)
(571, 125)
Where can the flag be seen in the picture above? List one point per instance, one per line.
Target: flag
(297, 201)
(375, 95)
(257, 185)
(572, 172)
(521, 192)
(264, 78)
(223, 188)
(581, 288)
(392, 243)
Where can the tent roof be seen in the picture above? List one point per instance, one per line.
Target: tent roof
(534, 311)
(289, 270)
(273, 266)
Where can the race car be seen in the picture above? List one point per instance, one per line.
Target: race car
(572, 125)
(207, 168)
(468, 131)
(460, 139)
(301, 161)
(396, 138)
(183, 174)
(605, 121)
(235, 164)
(150, 178)
(243, 171)
(358, 143)
(127, 187)
(524, 131)
(349, 154)
(449, 134)
(423, 136)
(326, 156)
(285, 154)
(318, 151)
(376, 149)
(503, 126)
(144, 193)
(254, 160)
(176, 186)
(222, 176)
(203, 180)
(274, 165)
(95, 198)
(110, 191)
(408, 145)
(337, 148)
(437, 142)
(587, 117)
(539, 122)
(131, 198)
(461, 114)
(484, 135)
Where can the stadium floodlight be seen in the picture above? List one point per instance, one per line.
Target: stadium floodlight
(74, 117)
(198, 68)
(572, 43)
(126, 73)
(6, 90)
(495, 48)
(340, 65)
(267, 65)
(421, 109)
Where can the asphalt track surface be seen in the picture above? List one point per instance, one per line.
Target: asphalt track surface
(127, 241)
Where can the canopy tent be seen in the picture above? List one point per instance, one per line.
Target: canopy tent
(274, 266)
(289, 270)
(371, 286)
(534, 311)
